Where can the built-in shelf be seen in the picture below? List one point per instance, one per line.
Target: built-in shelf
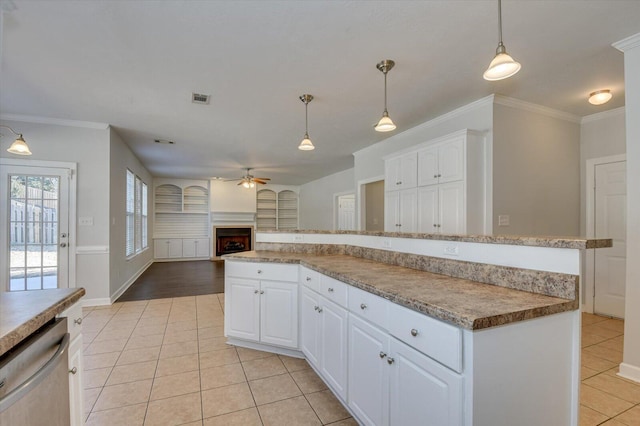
(276, 210)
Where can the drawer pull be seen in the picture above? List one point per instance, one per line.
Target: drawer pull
(308, 278)
(330, 289)
(363, 306)
(74, 370)
(390, 360)
(414, 332)
(382, 354)
(78, 321)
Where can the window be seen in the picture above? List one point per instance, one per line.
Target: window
(136, 210)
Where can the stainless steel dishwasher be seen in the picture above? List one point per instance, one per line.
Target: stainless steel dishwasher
(34, 379)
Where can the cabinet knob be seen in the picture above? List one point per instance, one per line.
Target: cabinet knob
(315, 308)
(259, 271)
(400, 183)
(330, 289)
(308, 278)
(319, 310)
(78, 321)
(439, 175)
(414, 332)
(435, 176)
(435, 226)
(439, 225)
(261, 291)
(255, 291)
(74, 370)
(390, 360)
(382, 354)
(363, 306)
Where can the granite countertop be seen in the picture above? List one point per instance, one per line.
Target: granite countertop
(468, 304)
(515, 240)
(23, 312)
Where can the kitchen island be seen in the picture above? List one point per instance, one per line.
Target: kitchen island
(406, 329)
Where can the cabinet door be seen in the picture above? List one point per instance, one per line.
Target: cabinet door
(408, 171)
(408, 210)
(161, 248)
(279, 313)
(392, 174)
(451, 161)
(391, 211)
(333, 358)
(368, 386)
(75, 382)
(428, 166)
(452, 216)
(428, 210)
(189, 247)
(175, 247)
(242, 300)
(423, 392)
(310, 326)
(202, 247)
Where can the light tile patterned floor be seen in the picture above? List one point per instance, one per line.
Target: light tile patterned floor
(605, 398)
(165, 362)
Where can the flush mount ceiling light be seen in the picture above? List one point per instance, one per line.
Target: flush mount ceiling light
(19, 146)
(502, 66)
(600, 97)
(385, 124)
(306, 144)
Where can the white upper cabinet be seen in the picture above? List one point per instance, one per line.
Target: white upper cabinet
(401, 172)
(444, 162)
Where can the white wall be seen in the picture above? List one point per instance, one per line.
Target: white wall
(89, 148)
(601, 135)
(124, 271)
(231, 197)
(536, 172)
(317, 198)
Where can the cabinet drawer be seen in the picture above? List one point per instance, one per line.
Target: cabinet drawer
(440, 341)
(369, 306)
(333, 290)
(310, 278)
(262, 271)
(74, 320)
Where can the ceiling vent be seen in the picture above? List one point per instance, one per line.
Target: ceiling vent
(164, 141)
(198, 98)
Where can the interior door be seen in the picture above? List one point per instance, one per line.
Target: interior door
(347, 212)
(35, 227)
(610, 222)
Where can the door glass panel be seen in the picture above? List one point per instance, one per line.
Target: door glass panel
(33, 263)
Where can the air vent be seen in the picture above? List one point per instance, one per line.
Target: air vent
(198, 98)
(164, 141)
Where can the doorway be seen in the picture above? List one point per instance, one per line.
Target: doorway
(35, 224)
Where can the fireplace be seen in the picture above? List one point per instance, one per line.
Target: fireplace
(232, 239)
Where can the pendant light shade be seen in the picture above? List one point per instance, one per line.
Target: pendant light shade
(19, 146)
(385, 124)
(503, 65)
(306, 144)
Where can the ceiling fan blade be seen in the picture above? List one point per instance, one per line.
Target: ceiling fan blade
(260, 181)
(262, 178)
(241, 182)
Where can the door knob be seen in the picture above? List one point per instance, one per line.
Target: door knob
(63, 245)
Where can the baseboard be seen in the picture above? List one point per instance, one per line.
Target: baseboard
(181, 259)
(266, 348)
(630, 372)
(130, 281)
(98, 301)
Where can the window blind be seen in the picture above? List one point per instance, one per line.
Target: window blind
(130, 213)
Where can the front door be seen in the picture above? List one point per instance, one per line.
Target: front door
(34, 220)
(610, 222)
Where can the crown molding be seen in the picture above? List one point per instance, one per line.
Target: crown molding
(55, 121)
(539, 109)
(602, 115)
(628, 43)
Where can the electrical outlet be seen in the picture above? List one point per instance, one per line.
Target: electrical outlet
(452, 250)
(85, 221)
(298, 238)
(503, 220)
(386, 243)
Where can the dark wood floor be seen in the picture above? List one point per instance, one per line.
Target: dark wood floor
(177, 279)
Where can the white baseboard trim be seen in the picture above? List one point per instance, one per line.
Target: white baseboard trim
(130, 281)
(98, 301)
(630, 372)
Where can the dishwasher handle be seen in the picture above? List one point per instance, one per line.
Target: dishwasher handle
(9, 399)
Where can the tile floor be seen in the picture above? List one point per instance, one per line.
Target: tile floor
(165, 362)
(605, 398)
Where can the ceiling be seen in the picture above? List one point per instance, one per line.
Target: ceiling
(134, 64)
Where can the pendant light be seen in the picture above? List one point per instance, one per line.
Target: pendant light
(19, 146)
(385, 124)
(306, 144)
(502, 66)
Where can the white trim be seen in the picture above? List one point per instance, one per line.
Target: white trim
(361, 199)
(588, 289)
(539, 109)
(82, 250)
(130, 281)
(233, 217)
(488, 182)
(264, 347)
(630, 372)
(602, 115)
(628, 43)
(98, 301)
(55, 121)
(336, 213)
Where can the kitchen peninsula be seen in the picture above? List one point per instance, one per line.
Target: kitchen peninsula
(417, 328)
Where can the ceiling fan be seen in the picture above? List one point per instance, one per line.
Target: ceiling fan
(249, 181)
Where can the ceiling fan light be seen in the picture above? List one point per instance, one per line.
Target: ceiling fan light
(306, 144)
(252, 184)
(246, 184)
(501, 67)
(600, 97)
(385, 124)
(19, 147)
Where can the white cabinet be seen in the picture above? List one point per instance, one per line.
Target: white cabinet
(167, 248)
(310, 326)
(400, 211)
(262, 310)
(441, 208)
(195, 247)
(74, 328)
(401, 172)
(441, 163)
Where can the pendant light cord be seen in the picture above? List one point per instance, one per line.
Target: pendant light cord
(500, 22)
(306, 119)
(385, 91)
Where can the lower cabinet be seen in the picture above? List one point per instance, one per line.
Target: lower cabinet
(74, 328)
(195, 247)
(181, 248)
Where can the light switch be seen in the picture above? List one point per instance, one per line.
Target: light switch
(503, 220)
(298, 238)
(85, 221)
